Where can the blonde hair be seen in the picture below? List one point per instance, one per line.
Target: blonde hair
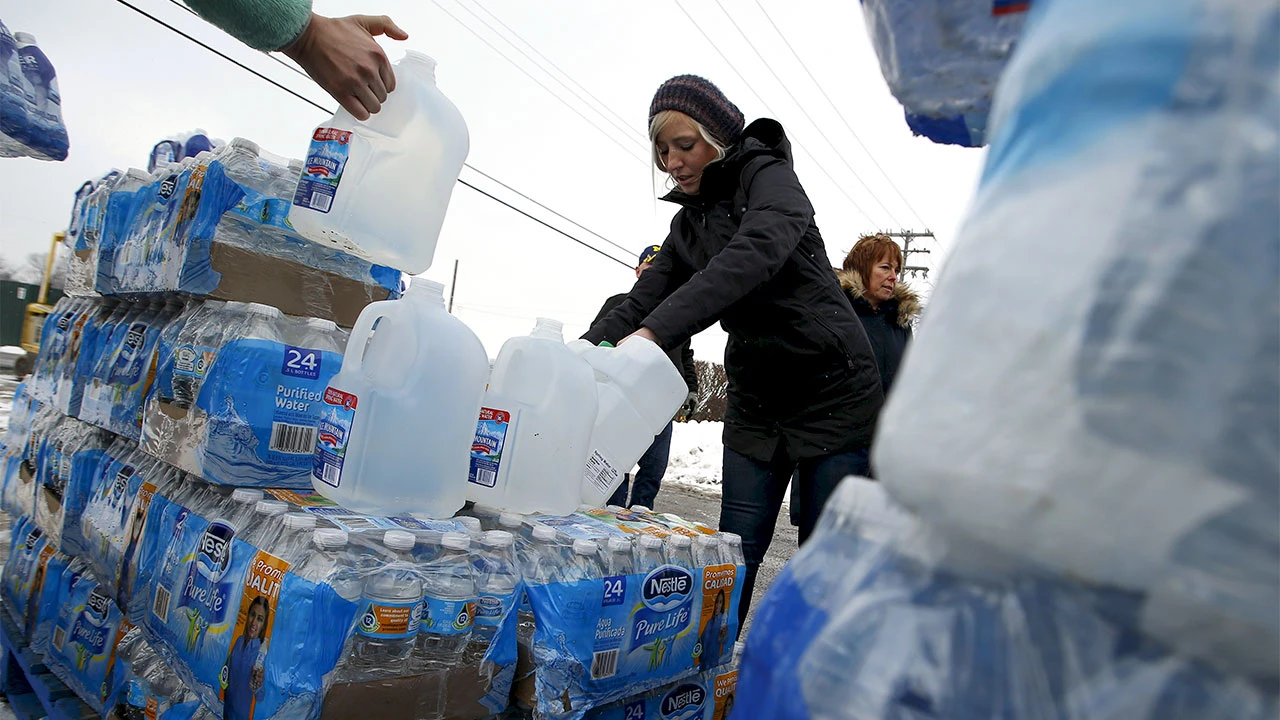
(665, 118)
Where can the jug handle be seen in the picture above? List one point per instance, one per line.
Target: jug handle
(357, 344)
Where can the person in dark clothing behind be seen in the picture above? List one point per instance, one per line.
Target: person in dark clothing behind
(653, 464)
(885, 306)
(744, 250)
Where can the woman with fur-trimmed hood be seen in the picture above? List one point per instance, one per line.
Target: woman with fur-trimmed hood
(885, 306)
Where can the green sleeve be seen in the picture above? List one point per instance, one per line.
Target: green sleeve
(261, 24)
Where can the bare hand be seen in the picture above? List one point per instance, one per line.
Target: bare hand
(643, 332)
(341, 55)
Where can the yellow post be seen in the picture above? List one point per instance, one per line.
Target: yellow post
(48, 267)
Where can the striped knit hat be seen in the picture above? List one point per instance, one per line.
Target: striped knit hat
(699, 99)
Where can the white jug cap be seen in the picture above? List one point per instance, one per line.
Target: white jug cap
(582, 546)
(299, 521)
(398, 539)
(548, 328)
(497, 538)
(731, 538)
(426, 288)
(24, 38)
(510, 519)
(486, 510)
(246, 495)
(329, 537)
(705, 540)
(649, 542)
(455, 541)
(615, 508)
(680, 541)
(472, 524)
(641, 509)
(618, 543)
(271, 507)
(544, 533)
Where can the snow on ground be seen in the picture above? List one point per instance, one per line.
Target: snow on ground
(696, 456)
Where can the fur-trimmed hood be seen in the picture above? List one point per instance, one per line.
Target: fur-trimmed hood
(908, 302)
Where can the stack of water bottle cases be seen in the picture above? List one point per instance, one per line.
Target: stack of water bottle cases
(170, 560)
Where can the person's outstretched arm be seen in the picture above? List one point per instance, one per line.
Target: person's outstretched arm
(340, 54)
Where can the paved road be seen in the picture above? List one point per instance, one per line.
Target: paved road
(691, 504)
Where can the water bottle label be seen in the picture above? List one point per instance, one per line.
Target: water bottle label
(490, 609)
(389, 621)
(486, 449)
(333, 436)
(192, 361)
(447, 617)
(326, 159)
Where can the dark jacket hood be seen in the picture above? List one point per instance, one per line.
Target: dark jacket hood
(907, 299)
(763, 137)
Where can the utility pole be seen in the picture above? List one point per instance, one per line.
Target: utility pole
(453, 286)
(909, 236)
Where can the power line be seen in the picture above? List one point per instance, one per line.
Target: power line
(840, 114)
(593, 248)
(621, 124)
(329, 111)
(805, 112)
(518, 66)
(759, 97)
(269, 56)
(557, 67)
(544, 207)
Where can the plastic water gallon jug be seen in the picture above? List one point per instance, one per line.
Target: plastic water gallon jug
(397, 421)
(532, 438)
(640, 390)
(379, 188)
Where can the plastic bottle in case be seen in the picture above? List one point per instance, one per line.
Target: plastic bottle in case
(618, 558)
(379, 188)
(532, 438)
(649, 556)
(397, 421)
(390, 604)
(198, 344)
(329, 563)
(497, 580)
(448, 607)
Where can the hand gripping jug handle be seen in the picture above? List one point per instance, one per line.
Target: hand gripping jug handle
(399, 319)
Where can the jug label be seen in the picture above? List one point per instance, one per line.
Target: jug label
(322, 172)
(333, 436)
(601, 473)
(486, 449)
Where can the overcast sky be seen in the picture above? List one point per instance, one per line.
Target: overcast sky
(127, 82)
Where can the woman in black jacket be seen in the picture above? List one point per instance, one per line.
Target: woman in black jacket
(885, 306)
(744, 250)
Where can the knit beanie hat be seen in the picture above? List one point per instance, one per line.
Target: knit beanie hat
(699, 99)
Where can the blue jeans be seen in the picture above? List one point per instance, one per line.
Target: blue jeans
(653, 465)
(753, 493)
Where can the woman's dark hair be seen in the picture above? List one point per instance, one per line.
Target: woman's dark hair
(266, 614)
